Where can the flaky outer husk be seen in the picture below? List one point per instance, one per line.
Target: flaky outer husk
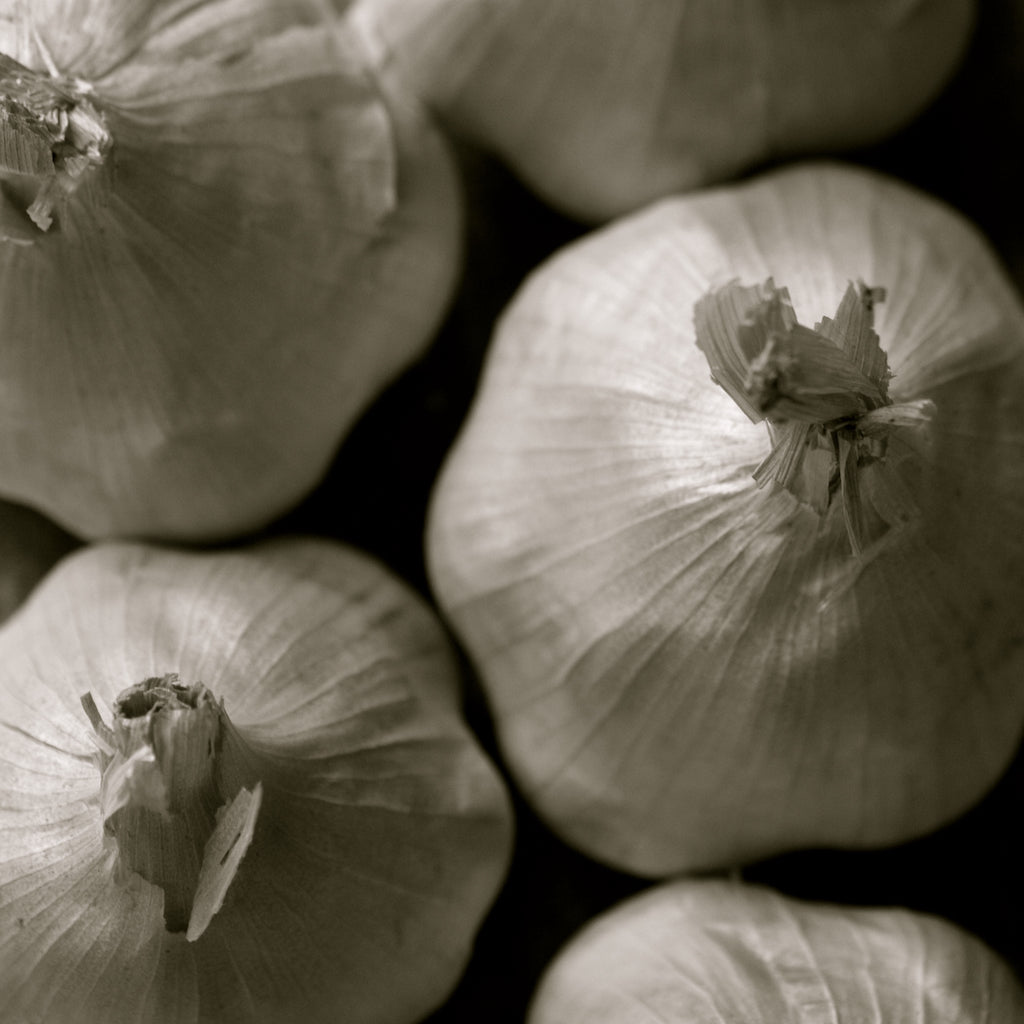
(688, 671)
(384, 831)
(715, 952)
(604, 105)
(30, 545)
(272, 238)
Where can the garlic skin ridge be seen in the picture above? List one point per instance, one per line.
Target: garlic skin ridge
(273, 234)
(690, 672)
(710, 951)
(602, 106)
(383, 833)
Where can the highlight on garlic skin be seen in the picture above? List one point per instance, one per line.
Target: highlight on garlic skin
(711, 631)
(220, 237)
(604, 105)
(236, 785)
(30, 545)
(709, 951)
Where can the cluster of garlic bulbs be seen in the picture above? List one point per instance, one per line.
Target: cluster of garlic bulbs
(235, 785)
(716, 555)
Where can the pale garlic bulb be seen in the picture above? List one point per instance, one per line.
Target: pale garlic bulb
(690, 667)
(237, 786)
(716, 952)
(604, 105)
(219, 239)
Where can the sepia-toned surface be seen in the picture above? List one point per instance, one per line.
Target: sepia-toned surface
(964, 149)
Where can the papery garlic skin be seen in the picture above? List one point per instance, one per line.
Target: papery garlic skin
(171, 812)
(605, 105)
(269, 237)
(382, 836)
(690, 671)
(711, 952)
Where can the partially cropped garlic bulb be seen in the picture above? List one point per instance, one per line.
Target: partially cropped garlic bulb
(219, 239)
(236, 786)
(707, 638)
(711, 952)
(604, 105)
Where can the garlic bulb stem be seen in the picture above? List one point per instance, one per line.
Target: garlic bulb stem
(52, 137)
(825, 395)
(162, 800)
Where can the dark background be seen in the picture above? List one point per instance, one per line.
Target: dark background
(966, 148)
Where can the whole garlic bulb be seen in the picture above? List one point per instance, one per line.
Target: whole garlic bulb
(236, 785)
(604, 105)
(707, 952)
(219, 239)
(690, 667)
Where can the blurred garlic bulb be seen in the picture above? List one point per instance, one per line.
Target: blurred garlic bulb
(236, 786)
(218, 241)
(604, 105)
(30, 545)
(708, 952)
(705, 641)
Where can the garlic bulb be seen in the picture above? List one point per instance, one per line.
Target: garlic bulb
(219, 239)
(29, 546)
(701, 644)
(605, 105)
(236, 786)
(708, 952)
